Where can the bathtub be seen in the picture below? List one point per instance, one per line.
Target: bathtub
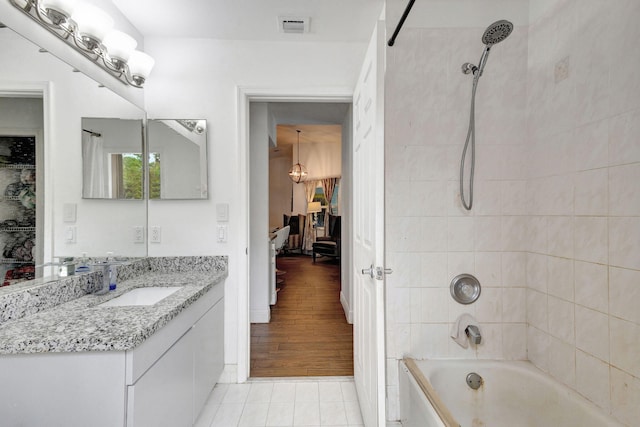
(434, 393)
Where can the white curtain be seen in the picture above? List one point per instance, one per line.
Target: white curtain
(309, 229)
(94, 171)
(328, 186)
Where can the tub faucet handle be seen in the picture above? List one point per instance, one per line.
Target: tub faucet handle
(473, 333)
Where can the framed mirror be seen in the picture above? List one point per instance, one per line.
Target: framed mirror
(112, 159)
(177, 159)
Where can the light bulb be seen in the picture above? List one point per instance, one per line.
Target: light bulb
(119, 45)
(140, 66)
(93, 24)
(58, 11)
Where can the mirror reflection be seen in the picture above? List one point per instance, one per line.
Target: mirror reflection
(112, 156)
(177, 159)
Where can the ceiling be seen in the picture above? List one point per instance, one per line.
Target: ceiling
(330, 20)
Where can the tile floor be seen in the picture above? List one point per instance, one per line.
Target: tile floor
(283, 403)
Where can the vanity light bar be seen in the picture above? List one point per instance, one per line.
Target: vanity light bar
(89, 30)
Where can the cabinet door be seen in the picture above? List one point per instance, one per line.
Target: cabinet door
(208, 355)
(163, 396)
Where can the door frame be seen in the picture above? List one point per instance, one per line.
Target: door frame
(44, 173)
(245, 96)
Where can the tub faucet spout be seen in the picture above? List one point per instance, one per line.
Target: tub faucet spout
(473, 333)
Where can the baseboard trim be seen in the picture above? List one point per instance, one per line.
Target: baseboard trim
(260, 316)
(347, 309)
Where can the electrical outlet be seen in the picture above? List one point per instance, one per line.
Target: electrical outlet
(155, 235)
(138, 234)
(222, 233)
(70, 234)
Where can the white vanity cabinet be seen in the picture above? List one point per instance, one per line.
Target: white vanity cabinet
(164, 381)
(174, 388)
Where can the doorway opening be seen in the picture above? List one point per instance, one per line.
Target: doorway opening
(306, 329)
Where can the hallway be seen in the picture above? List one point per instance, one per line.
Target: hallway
(308, 334)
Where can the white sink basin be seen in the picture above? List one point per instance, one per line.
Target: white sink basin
(142, 296)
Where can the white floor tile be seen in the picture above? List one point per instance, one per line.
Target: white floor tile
(237, 393)
(228, 415)
(349, 393)
(254, 415)
(307, 392)
(260, 393)
(280, 414)
(333, 414)
(306, 414)
(277, 403)
(283, 393)
(330, 392)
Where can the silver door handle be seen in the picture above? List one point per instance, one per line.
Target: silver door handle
(380, 272)
(369, 271)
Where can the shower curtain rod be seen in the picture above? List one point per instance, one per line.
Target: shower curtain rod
(392, 40)
(91, 132)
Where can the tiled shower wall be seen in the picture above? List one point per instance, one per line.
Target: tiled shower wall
(430, 238)
(554, 235)
(583, 200)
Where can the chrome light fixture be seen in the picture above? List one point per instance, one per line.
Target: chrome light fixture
(89, 30)
(298, 172)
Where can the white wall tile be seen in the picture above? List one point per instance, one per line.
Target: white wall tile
(592, 379)
(514, 305)
(591, 146)
(623, 138)
(561, 319)
(491, 345)
(560, 277)
(460, 234)
(537, 272)
(537, 307)
(488, 233)
(538, 348)
(514, 341)
(406, 270)
(560, 237)
(489, 306)
(592, 286)
(432, 233)
(434, 270)
(514, 197)
(625, 339)
(624, 191)
(562, 361)
(624, 242)
(489, 268)
(591, 192)
(434, 305)
(514, 267)
(590, 239)
(625, 395)
(592, 332)
(624, 292)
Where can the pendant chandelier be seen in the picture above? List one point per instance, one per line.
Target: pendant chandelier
(298, 172)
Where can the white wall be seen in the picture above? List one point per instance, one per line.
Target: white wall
(260, 311)
(101, 225)
(202, 78)
(280, 189)
(583, 200)
(553, 236)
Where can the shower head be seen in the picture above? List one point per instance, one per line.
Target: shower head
(497, 32)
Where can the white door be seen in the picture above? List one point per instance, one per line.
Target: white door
(368, 226)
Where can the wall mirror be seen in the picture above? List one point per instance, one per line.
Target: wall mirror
(177, 159)
(112, 159)
(73, 225)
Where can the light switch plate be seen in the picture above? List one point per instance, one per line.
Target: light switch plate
(222, 233)
(138, 234)
(155, 235)
(70, 234)
(69, 212)
(222, 212)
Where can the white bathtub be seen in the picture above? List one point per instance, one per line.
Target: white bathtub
(434, 393)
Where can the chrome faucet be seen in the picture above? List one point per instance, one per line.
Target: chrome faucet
(473, 333)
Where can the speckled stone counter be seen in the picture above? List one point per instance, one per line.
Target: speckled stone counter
(60, 316)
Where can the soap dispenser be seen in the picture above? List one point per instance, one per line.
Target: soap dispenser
(83, 266)
(112, 272)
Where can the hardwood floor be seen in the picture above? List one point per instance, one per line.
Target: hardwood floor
(308, 334)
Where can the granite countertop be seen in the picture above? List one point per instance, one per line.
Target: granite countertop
(80, 325)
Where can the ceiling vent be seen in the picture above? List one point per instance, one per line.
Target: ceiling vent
(293, 24)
